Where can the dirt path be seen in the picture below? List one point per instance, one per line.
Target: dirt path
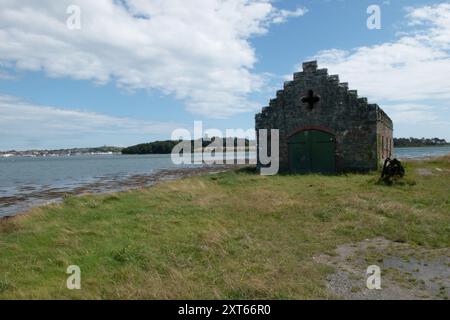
(406, 272)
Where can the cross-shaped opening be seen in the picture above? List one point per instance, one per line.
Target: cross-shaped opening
(311, 99)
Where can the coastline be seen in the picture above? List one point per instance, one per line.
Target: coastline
(170, 240)
(20, 205)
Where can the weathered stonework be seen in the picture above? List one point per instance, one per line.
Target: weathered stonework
(363, 132)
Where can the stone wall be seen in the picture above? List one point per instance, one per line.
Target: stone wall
(357, 125)
(385, 140)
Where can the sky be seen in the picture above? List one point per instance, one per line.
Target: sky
(82, 73)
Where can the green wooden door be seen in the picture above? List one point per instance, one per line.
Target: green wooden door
(312, 151)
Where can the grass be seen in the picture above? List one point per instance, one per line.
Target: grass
(235, 235)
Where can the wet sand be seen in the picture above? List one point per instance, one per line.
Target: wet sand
(31, 196)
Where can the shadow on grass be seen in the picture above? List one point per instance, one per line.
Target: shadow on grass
(248, 170)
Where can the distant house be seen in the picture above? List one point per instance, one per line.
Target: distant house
(324, 127)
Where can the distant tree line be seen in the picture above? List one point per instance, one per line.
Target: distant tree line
(415, 142)
(157, 147)
(165, 147)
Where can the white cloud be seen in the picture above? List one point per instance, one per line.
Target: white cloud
(21, 122)
(409, 75)
(281, 16)
(197, 50)
(410, 113)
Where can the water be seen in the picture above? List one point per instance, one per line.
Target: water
(25, 182)
(68, 172)
(421, 152)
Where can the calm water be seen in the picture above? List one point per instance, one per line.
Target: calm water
(421, 152)
(29, 181)
(17, 173)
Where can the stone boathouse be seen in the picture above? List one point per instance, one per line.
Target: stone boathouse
(324, 127)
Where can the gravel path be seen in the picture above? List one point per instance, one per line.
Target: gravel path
(406, 272)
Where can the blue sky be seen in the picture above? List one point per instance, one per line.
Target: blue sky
(122, 79)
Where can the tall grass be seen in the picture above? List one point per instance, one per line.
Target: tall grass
(230, 235)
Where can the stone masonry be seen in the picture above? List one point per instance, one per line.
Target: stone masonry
(315, 100)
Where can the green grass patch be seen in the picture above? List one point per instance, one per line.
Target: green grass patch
(234, 235)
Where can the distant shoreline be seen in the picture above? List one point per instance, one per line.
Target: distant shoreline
(206, 150)
(59, 155)
(72, 153)
(426, 146)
